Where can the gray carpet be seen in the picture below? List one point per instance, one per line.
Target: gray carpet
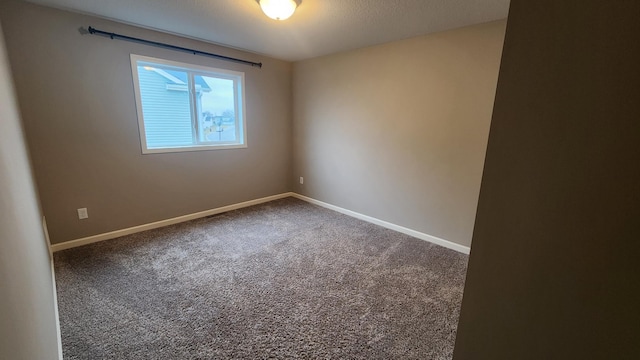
(284, 280)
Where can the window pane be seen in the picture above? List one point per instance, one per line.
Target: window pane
(216, 109)
(165, 106)
(185, 107)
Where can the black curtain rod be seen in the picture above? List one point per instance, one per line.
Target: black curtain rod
(95, 31)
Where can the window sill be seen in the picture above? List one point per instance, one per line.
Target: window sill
(193, 148)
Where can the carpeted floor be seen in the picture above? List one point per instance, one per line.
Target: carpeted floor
(285, 280)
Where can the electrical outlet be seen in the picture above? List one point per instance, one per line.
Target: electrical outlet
(301, 180)
(82, 213)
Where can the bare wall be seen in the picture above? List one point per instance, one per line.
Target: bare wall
(554, 269)
(77, 100)
(27, 314)
(399, 131)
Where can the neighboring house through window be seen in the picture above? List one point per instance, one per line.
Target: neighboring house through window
(184, 107)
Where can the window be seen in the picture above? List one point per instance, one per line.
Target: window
(184, 107)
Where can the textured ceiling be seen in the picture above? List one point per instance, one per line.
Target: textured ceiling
(318, 27)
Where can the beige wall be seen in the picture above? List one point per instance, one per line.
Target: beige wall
(398, 132)
(27, 314)
(554, 270)
(77, 100)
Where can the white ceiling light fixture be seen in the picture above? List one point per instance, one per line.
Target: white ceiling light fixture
(278, 9)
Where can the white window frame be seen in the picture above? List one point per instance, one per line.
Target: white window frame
(191, 69)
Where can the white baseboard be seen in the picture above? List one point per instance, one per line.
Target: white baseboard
(55, 309)
(55, 290)
(154, 225)
(422, 236)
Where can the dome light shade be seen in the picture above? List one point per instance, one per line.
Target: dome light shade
(278, 9)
